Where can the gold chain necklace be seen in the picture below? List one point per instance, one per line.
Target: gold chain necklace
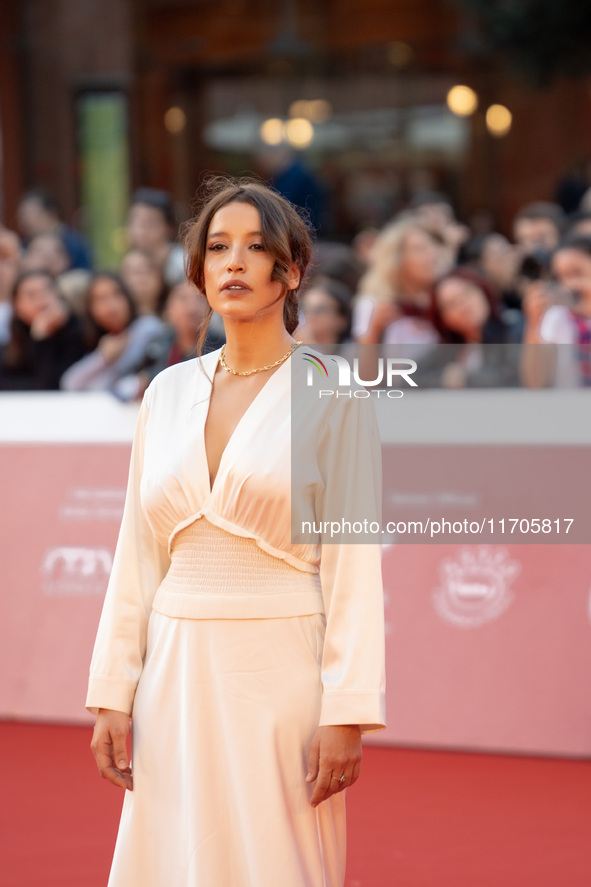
(259, 369)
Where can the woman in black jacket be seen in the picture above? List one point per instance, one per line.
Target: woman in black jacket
(45, 338)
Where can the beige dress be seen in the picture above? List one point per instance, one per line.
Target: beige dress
(229, 634)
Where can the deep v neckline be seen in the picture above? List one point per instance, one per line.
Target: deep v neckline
(211, 485)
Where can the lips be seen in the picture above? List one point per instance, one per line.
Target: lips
(235, 286)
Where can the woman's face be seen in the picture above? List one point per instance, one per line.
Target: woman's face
(572, 268)
(463, 306)
(108, 306)
(143, 278)
(147, 227)
(48, 253)
(324, 322)
(185, 307)
(35, 294)
(421, 260)
(237, 269)
(500, 260)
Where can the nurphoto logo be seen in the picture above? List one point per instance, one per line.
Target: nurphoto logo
(387, 371)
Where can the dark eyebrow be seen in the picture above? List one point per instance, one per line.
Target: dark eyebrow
(225, 234)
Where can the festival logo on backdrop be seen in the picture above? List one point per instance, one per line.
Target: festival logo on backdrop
(76, 570)
(475, 586)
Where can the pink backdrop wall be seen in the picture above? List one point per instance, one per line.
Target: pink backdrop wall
(497, 663)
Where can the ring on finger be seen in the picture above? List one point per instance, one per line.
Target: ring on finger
(340, 779)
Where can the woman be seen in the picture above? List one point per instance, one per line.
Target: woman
(557, 315)
(121, 340)
(393, 302)
(45, 338)
(184, 313)
(151, 228)
(326, 312)
(249, 663)
(10, 266)
(142, 275)
(480, 348)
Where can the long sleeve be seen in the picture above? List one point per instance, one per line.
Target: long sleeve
(139, 565)
(86, 374)
(94, 373)
(353, 665)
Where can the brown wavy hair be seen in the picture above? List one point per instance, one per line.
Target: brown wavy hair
(285, 234)
(468, 275)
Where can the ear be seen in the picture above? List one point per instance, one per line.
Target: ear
(293, 277)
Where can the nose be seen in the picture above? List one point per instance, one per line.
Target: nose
(236, 260)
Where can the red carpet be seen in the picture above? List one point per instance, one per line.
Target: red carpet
(416, 818)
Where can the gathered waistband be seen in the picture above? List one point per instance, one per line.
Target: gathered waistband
(216, 574)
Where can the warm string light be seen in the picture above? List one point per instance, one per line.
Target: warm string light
(498, 120)
(175, 120)
(298, 131)
(462, 101)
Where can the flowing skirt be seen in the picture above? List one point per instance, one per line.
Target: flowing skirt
(223, 720)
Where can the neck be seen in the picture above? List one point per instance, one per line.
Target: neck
(250, 345)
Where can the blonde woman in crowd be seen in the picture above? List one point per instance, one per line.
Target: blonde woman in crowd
(393, 300)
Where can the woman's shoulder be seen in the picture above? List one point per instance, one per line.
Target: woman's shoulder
(185, 377)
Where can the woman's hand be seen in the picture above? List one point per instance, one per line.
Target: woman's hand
(49, 321)
(112, 346)
(454, 376)
(535, 302)
(109, 747)
(336, 750)
(384, 313)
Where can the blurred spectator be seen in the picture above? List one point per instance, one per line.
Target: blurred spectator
(10, 266)
(45, 338)
(326, 312)
(185, 311)
(585, 204)
(121, 342)
(435, 211)
(73, 286)
(482, 221)
(339, 262)
(294, 180)
(499, 260)
(393, 302)
(560, 315)
(363, 244)
(39, 213)
(539, 225)
(151, 228)
(579, 223)
(142, 274)
(47, 252)
(573, 186)
(480, 348)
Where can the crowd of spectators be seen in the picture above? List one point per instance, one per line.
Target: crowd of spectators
(65, 325)
(466, 302)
